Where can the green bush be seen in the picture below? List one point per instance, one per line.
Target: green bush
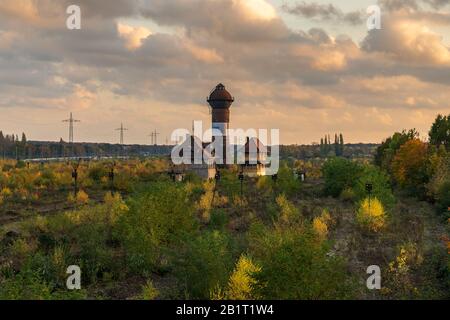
(203, 263)
(443, 199)
(20, 164)
(39, 279)
(339, 174)
(286, 182)
(347, 195)
(219, 219)
(24, 286)
(157, 219)
(381, 188)
(295, 265)
(47, 179)
(97, 172)
(82, 237)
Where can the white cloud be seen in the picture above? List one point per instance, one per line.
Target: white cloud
(408, 41)
(257, 9)
(133, 36)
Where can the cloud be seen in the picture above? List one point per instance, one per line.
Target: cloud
(133, 35)
(324, 12)
(160, 58)
(204, 54)
(398, 5)
(437, 4)
(257, 9)
(233, 20)
(408, 41)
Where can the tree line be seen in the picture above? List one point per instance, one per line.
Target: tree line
(11, 147)
(329, 149)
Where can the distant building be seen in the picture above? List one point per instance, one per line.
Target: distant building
(254, 150)
(206, 169)
(255, 158)
(220, 101)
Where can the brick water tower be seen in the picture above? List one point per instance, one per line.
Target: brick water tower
(220, 101)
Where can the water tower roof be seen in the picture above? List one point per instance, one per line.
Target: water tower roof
(220, 94)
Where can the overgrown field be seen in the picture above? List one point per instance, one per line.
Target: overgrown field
(143, 236)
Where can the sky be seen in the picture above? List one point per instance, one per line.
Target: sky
(307, 68)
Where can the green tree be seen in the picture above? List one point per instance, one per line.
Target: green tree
(440, 131)
(385, 153)
(339, 174)
(336, 145)
(341, 143)
(381, 187)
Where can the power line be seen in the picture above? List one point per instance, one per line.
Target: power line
(154, 136)
(121, 129)
(71, 121)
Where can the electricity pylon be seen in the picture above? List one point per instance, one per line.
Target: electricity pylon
(71, 121)
(154, 136)
(121, 129)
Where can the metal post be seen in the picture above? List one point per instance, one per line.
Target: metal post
(75, 177)
(111, 177)
(369, 188)
(241, 178)
(216, 180)
(274, 179)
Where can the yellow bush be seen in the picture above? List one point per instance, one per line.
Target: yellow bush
(320, 227)
(241, 282)
(371, 215)
(87, 183)
(149, 292)
(239, 201)
(71, 198)
(399, 278)
(322, 223)
(82, 197)
(205, 204)
(289, 213)
(326, 217)
(115, 206)
(6, 192)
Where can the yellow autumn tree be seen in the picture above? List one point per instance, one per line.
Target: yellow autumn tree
(241, 282)
(371, 215)
(288, 212)
(409, 163)
(321, 224)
